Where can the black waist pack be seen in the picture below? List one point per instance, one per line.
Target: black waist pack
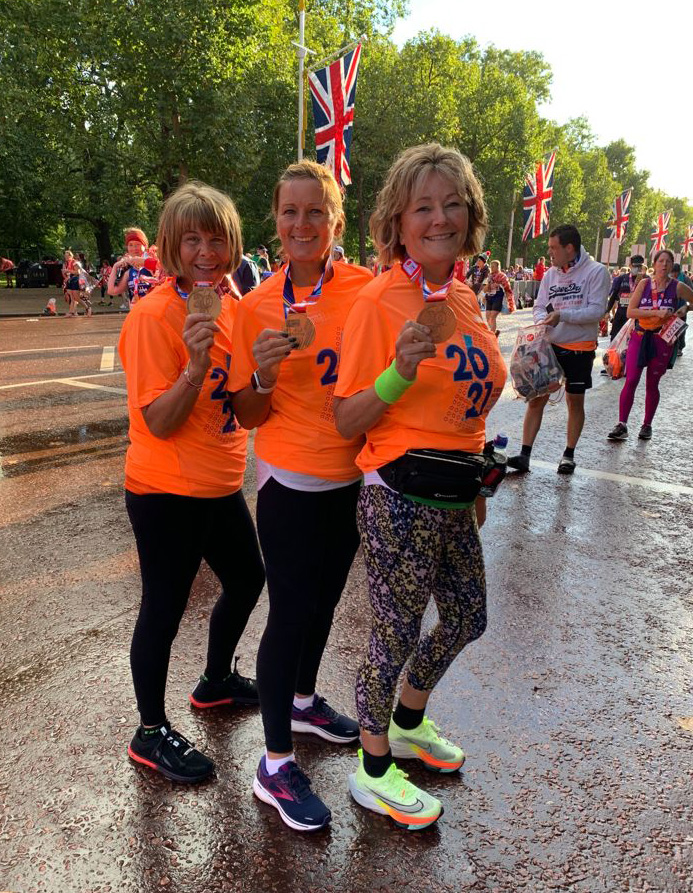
(442, 475)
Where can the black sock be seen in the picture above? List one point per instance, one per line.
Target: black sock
(376, 767)
(569, 452)
(147, 733)
(526, 450)
(406, 718)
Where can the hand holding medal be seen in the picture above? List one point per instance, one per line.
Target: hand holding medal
(203, 306)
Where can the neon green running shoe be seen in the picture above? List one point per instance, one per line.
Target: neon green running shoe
(426, 744)
(408, 806)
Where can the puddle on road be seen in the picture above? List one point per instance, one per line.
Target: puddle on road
(33, 442)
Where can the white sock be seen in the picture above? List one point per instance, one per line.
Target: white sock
(273, 766)
(304, 703)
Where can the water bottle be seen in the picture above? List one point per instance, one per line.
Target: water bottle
(497, 464)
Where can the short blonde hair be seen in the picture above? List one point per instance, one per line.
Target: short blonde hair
(407, 172)
(196, 205)
(497, 263)
(331, 193)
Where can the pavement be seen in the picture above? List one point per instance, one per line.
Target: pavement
(21, 302)
(575, 708)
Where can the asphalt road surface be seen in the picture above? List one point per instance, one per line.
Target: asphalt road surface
(575, 708)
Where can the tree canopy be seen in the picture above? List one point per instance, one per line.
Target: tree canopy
(108, 105)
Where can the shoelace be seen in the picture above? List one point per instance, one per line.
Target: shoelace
(320, 705)
(299, 783)
(176, 739)
(239, 680)
(429, 723)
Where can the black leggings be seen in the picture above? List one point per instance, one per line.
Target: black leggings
(308, 542)
(173, 534)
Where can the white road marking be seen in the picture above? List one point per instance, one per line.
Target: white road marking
(96, 387)
(108, 359)
(50, 349)
(26, 384)
(659, 486)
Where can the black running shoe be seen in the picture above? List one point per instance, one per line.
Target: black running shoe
(566, 465)
(290, 793)
(322, 720)
(618, 432)
(235, 689)
(520, 463)
(645, 432)
(171, 754)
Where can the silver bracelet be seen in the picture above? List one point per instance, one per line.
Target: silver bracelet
(186, 376)
(257, 384)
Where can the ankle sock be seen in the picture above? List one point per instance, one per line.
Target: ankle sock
(569, 452)
(526, 450)
(304, 703)
(407, 718)
(376, 767)
(146, 734)
(273, 766)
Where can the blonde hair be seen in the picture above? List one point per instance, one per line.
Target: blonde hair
(135, 234)
(497, 263)
(407, 172)
(331, 193)
(196, 205)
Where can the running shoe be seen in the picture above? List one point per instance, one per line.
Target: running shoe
(320, 719)
(645, 432)
(408, 806)
(618, 432)
(566, 465)
(520, 463)
(290, 793)
(169, 753)
(235, 689)
(426, 744)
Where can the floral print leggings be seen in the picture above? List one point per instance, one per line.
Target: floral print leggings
(413, 552)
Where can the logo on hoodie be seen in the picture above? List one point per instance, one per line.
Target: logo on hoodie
(566, 294)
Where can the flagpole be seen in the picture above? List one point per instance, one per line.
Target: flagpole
(510, 233)
(301, 50)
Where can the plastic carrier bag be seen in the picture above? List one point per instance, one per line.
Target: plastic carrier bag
(614, 358)
(534, 368)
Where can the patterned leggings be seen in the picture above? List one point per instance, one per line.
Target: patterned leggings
(413, 552)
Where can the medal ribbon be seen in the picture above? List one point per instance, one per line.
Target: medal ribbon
(414, 273)
(288, 299)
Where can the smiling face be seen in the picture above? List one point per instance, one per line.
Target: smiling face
(134, 248)
(305, 225)
(433, 226)
(204, 257)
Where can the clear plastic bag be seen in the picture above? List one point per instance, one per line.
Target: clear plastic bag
(614, 358)
(534, 368)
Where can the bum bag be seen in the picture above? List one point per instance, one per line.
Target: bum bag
(442, 475)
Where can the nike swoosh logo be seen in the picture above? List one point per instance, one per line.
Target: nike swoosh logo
(411, 809)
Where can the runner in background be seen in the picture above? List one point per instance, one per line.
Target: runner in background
(287, 339)
(496, 288)
(622, 288)
(653, 305)
(478, 275)
(183, 475)
(400, 384)
(125, 273)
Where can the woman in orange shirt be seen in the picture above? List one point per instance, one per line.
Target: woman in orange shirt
(286, 344)
(419, 373)
(184, 472)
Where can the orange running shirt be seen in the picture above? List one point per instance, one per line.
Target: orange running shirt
(299, 433)
(446, 407)
(206, 455)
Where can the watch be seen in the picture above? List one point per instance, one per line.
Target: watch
(257, 386)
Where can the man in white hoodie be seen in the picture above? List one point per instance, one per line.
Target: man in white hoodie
(571, 301)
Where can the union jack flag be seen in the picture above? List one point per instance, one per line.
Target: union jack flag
(660, 232)
(619, 222)
(333, 91)
(687, 244)
(537, 196)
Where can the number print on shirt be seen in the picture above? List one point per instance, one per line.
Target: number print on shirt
(220, 393)
(330, 357)
(479, 391)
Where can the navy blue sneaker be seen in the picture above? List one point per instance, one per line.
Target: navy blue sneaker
(320, 719)
(290, 793)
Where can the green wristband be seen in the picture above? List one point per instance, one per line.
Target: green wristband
(390, 385)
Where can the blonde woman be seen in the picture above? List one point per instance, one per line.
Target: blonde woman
(183, 475)
(419, 373)
(287, 340)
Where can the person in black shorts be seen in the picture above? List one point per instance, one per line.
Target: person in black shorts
(571, 301)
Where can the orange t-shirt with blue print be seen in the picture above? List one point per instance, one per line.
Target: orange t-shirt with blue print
(299, 433)
(454, 391)
(206, 455)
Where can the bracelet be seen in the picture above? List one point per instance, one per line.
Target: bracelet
(390, 385)
(257, 384)
(186, 376)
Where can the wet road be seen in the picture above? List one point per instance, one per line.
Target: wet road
(571, 707)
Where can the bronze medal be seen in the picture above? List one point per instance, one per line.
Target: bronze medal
(300, 326)
(440, 319)
(204, 299)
